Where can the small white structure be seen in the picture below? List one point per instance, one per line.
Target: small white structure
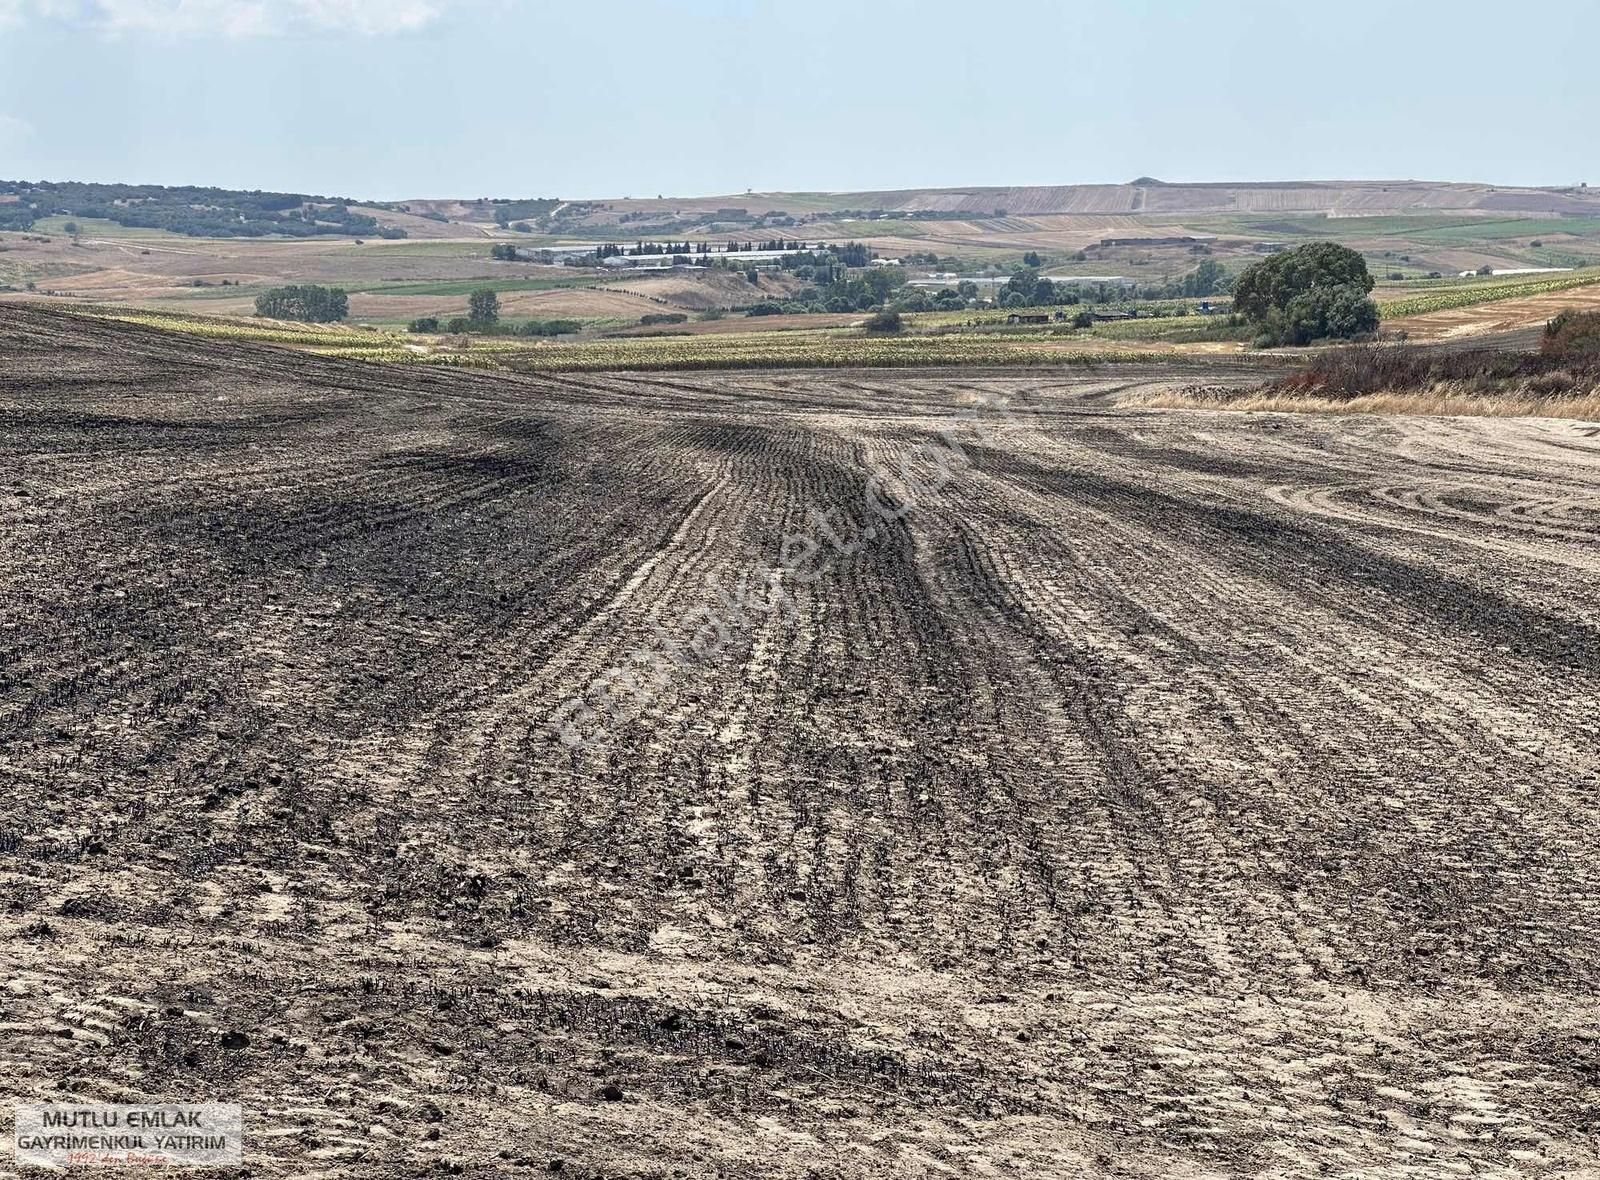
(1519, 270)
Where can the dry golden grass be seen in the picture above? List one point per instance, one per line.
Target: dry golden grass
(698, 290)
(1439, 401)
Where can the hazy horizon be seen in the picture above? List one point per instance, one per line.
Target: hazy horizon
(983, 186)
(411, 99)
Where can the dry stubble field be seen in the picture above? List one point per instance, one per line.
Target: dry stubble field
(1167, 794)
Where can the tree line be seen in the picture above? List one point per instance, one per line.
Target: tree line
(847, 254)
(307, 305)
(190, 210)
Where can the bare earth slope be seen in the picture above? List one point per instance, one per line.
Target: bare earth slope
(1173, 794)
(1337, 198)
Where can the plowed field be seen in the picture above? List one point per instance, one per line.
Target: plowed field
(465, 773)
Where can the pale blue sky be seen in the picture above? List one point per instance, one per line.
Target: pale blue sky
(416, 98)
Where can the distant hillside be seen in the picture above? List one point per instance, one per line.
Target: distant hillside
(196, 212)
(1334, 198)
(221, 213)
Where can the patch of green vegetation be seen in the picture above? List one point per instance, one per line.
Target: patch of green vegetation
(20, 274)
(1176, 330)
(1500, 231)
(97, 227)
(1467, 233)
(506, 212)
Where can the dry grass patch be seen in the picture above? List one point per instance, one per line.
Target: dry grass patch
(1562, 380)
(1440, 402)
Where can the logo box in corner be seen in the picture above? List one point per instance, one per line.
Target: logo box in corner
(198, 1135)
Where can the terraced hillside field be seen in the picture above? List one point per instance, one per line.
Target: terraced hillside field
(467, 775)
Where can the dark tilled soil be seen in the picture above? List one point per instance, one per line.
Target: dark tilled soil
(1159, 794)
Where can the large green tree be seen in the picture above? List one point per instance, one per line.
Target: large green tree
(1022, 282)
(1312, 292)
(883, 281)
(483, 307)
(1205, 279)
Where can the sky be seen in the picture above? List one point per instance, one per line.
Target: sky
(393, 99)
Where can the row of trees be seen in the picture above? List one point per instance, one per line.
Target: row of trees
(643, 249)
(483, 315)
(957, 298)
(462, 325)
(847, 254)
(195, 211)
(327, 305)
(825, 263)
(308, 305)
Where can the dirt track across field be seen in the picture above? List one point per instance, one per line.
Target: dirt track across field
(1156, 794)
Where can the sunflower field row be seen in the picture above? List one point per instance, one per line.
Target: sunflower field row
(1471, 295)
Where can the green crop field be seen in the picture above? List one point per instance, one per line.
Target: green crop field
(1468, 233)
(95, 227)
